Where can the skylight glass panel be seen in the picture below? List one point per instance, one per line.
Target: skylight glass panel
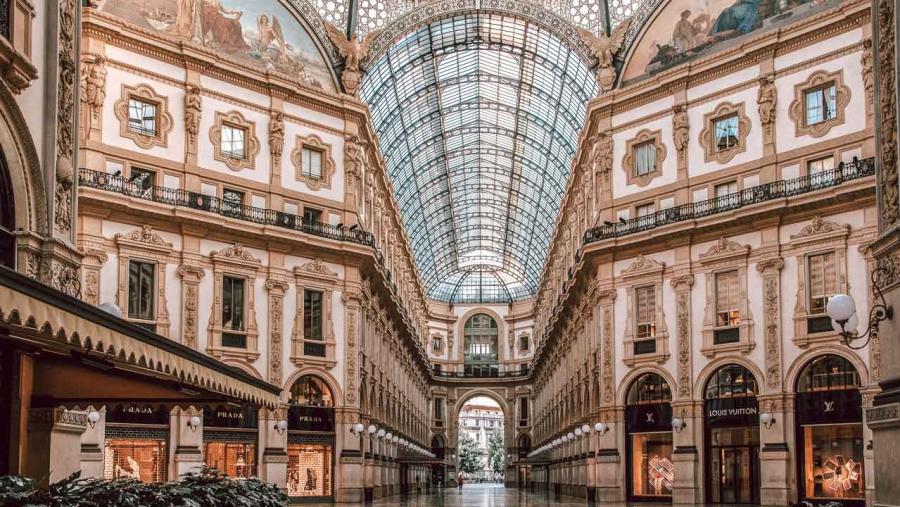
(478, 117)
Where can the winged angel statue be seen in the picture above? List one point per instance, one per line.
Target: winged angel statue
(605, 49)
(353, 50)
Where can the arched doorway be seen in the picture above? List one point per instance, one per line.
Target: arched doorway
(648, 432)
(481, 447)
(830, 432)
(438, 470)
(7, 217)
(310, 439)
(481, 336)
(731, 427)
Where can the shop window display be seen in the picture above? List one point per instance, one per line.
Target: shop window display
(309, 470)
(833, 461)
(135, 458)
(830, 432)
(234, 459)
(653, 471)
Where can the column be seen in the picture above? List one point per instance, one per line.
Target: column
(348, 447)
(775, 456)
(92, 441)
(187, 440)
(685, 457)
(273, 444)
(54, 444)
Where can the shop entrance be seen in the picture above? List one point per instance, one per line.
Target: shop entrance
(732, 436)
(648, 426)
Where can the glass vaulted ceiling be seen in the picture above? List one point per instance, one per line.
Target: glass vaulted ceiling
(478, 117)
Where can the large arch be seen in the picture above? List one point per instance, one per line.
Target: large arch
(530, 12)
(797, 366)
(631, 376)
(336, 392)
(26, 179)
(702, 379)
(460, 333)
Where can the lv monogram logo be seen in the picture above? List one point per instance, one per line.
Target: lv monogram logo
(829, 406)
(650, 417)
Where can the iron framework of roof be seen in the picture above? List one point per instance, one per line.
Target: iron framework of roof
(478, 116)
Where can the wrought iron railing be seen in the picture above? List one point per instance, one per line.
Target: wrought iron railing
(769, 191)
(212, 204)
(481, 374)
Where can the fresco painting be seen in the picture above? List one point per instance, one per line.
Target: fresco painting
(686, 28)
(262, 34)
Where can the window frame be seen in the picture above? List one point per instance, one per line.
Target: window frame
(641, 273)
(139, 319)
(726, 256)
(630, 162)
(237, 263)
(163, 119)
(234, 120)
(797, 110)
(314, 143)
(314, 276)
(709, 140)
(145, 245)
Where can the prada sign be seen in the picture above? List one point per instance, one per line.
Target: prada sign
(310, 418)
(229, 416)
(732, 411)
(134, 413)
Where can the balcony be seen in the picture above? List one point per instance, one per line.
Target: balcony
(177, 197)
(481, 374)
(780, 189)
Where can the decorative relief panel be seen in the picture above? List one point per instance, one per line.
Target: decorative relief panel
(682, 285)
(190, 295)
(770, 270)
(276, 289)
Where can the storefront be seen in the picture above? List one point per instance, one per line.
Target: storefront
(830, 432)
(731, 423)
(648, 432)
(310, 440)
(136, 442)
(230, 434)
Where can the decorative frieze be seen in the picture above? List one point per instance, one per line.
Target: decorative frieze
(682, 285)
(770, 270)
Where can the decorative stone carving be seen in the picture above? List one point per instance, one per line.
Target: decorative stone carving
(887, 107)
(352, 50)
(868, 78)
(276, 289)
(766, 99)
(190, 277)
(680, 129)
(682, 285)
(92, 260)
(351, 308)
(605, 49)
(65, 116)
(770, 270)
(93, 84)
(192, 110)
(276, 138)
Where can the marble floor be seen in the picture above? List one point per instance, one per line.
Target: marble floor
(486, 495)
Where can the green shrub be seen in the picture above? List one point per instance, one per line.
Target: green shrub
(207, 488)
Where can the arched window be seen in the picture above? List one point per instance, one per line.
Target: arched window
(437, 446)
(649, 388)
(311, 391)
(828, 373)
(524, 445)
(481, 338)
(731, 381)
(7, 218)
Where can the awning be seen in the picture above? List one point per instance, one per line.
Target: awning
(35, 316)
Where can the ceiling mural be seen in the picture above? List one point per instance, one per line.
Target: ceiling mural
(686, 28)
(261, 34)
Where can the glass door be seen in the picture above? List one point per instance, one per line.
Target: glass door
(733, 466)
